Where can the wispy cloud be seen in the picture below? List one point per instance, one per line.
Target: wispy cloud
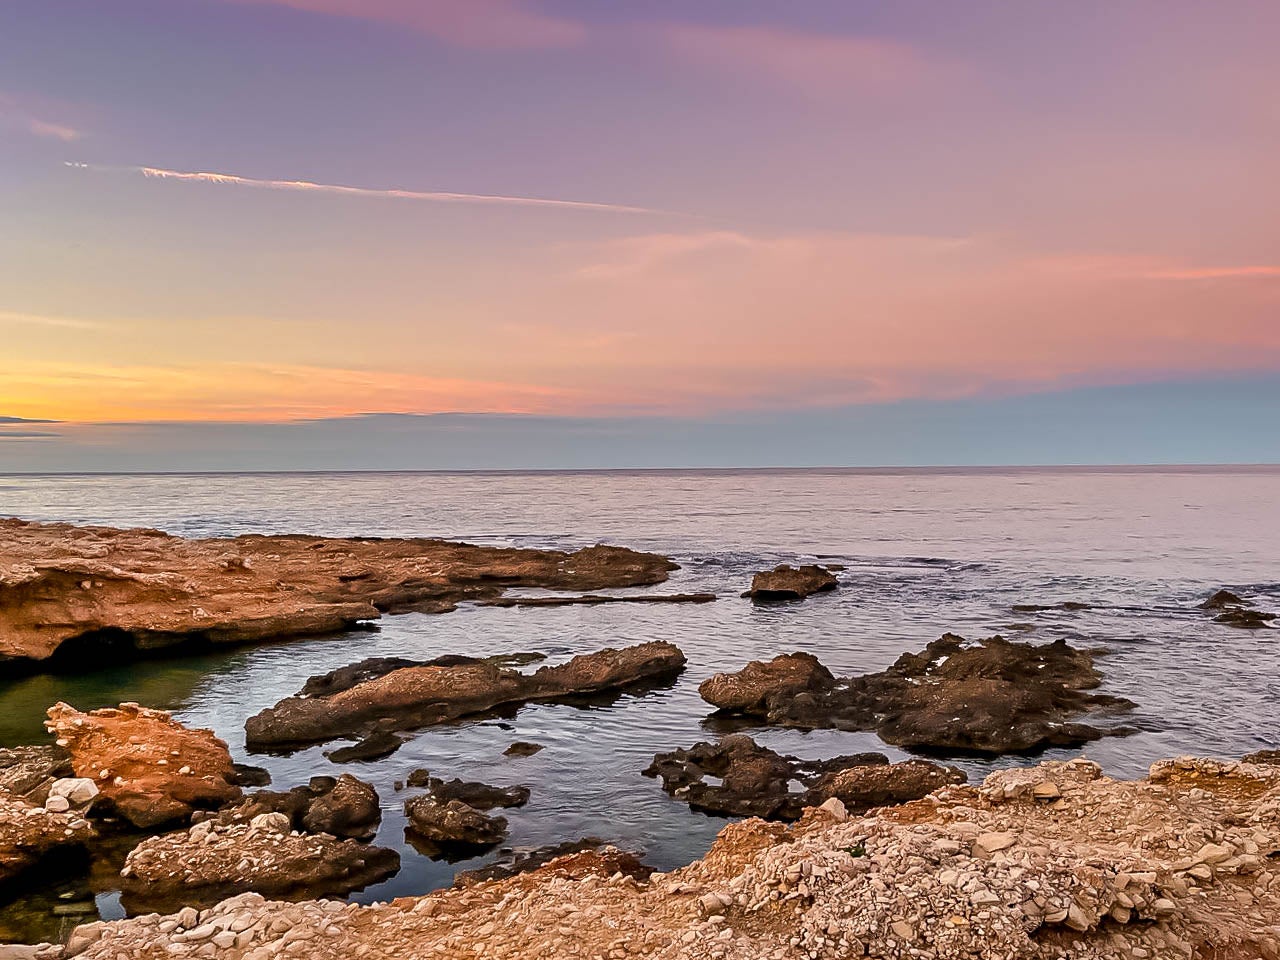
(476, 24)
(1257, 272)
(308, 186)
(44, 320)
(818, 63)
(32, 119)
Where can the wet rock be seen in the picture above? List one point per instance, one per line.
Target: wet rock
(29, 833)
(453, 822)
(250, 776)
(343, 807)
(593, 600)
(522, 748)
(1221, 600)
(785, 582)
(426, 694)
(754, 781)
(1263, 756)
(215, 860)
(482, 796)
(28, 771)
(1245, 619)
(990, 696)
(1068, 605)
(754, 688)
(149, 768)
(607, 861)
(80, 593)
(373, 747)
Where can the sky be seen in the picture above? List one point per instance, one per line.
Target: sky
(447, 233)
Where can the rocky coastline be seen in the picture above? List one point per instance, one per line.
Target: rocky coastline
(847, 856)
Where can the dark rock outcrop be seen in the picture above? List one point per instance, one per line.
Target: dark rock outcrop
(785, 582)
(482, 796)
(522, 748)
(344, 807)
(373, 747)
(1245, 619)
(82, 592)
(990, 696)
(1221, 600)
(426, 694)
(754, 781)
(29, 771)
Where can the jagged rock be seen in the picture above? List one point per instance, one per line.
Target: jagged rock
(755, 781)
(1221, 600)
(80, 592)
(344, 807)
(148, 767)
(453, 822)
(785, 582)
(213, 860)
(30, 770)
(29, 833)
(482, 796)
(425, 694)
(992, 696)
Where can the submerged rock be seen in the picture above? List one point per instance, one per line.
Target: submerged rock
(785, 582)
(148, 767)
(595, 600)
(754, 781)
(80, 593)
(373, 747)
(213, 860)
(1245, 619)
(1221, 600)
(991, 696)
(430, 693)
(522, 748)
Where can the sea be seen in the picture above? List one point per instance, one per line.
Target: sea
(925, 551)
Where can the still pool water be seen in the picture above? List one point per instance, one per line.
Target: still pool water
(925, 551)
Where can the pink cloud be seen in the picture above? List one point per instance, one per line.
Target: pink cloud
(31, 118)
(477, 24)
(1216, 273)
(820, 64)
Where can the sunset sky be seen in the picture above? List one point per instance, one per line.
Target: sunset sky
(664, 215)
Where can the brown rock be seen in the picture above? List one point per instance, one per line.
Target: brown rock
(214, 860)
(785, 582)
(148, 767)
(29, 771)
(452, 822)
(755, 781)
(80, 592)
(992, 696)
(29, 833)
(417, 696)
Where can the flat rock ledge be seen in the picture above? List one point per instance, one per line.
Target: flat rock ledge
(71, 593)
(1053, 861)
(785, 582)
(214, 860)
(382, 695)
(988, 696)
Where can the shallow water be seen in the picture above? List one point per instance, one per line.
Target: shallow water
(926, 551)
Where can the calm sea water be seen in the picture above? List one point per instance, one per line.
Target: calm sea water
(926, 552)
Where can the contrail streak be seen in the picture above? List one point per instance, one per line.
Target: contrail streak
(228, 179)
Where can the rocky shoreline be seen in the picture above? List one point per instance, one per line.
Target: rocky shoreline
(842, 857)
(1052, 861)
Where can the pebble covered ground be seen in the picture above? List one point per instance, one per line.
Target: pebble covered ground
(1054, 861)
